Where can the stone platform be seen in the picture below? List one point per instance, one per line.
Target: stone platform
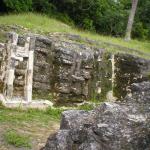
(18, 103)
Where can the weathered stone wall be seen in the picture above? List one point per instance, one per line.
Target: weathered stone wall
(71, 71)
(1, 61)
(78, 71)
(1, 51)
(19, 81)
(68, 70)
(129, 69)
(43, 65)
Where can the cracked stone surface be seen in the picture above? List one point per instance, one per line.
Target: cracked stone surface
(111, 126)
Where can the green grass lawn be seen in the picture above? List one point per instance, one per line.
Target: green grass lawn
(27, 129)
(43, 24)
(30, 128)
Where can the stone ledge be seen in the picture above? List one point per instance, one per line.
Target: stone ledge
(36, 104)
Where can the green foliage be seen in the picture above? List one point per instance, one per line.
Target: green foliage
(63, 17)
(55, 112)
(108, 17)
(43, 6)
(139, 31)
(18, 5)
(18, 140)
(142, 21)
(86, 107)
(39, 23)
(88, 24)
(20, 127)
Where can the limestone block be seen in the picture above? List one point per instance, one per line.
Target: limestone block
(129, 69)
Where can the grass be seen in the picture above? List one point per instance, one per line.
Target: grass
(16, 139)
(16, 116)
(18, 128)
(86, 107)
(42, 24)
(55, 112)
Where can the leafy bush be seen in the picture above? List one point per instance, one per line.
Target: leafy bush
(3, 7)
(63, 17)
(18, 5)
(142, 21)
(43, 6)
(108, 17)
(88, 24)
(139, 31)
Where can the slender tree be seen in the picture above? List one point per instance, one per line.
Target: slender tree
(131, 20)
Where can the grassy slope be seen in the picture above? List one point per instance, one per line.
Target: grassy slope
(44, 24)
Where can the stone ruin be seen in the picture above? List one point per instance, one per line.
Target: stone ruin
(111, 126)
(14, 56)
(65, 69)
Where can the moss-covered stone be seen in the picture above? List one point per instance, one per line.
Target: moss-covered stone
(101, 78)
(129, 69)
(68, 71)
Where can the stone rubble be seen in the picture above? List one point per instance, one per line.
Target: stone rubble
(111, 126)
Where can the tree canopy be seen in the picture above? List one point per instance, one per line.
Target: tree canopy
(108, 17)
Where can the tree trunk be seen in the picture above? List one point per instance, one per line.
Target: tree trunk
(131, 20)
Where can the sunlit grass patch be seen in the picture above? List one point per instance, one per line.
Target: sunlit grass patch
(43, 24)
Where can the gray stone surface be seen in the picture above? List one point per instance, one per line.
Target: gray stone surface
(111, 126)
(129, 69)
(68, 70)
(2, 49)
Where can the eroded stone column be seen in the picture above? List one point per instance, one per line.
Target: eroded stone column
(11, 65)
(29, 73)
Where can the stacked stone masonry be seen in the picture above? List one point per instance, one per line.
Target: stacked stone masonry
(111, 126)
(72, 71)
